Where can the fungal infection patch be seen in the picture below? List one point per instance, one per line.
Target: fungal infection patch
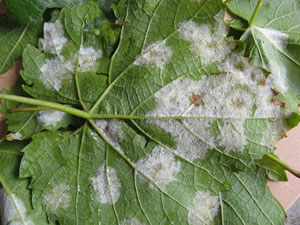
(241, 91)
(160, 166)
(54, 38)
(157, 54)
(53, 73)
(58, 198)
(112, 131)
(132, 221)
(204, 209)
(51, 117)
(88, 59)
(9, 207)
(14, 136)
(207, 41)
(106, 185)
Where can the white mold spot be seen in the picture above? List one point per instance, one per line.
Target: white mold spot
(207, 41)
(58, 198)
(158, 54)
(241, 91)
(53, 73)
(54, 39)
(204, 209)
(8, 211)
(107, 185)
(51, 117)
(160, 166)
(14, 136)
(112, 131)
(88, 59)
(232, 135)
(132, 221)
(277, 38)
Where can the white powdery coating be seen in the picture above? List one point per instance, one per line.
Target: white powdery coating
(278, 39)
(88, 59)
(132, 221)
(51, 117)
(107, 185)
(8, 211)
(233, 94)
(274, 132)
(207, 41)
(14, 136)
(54, 39)
(112, 131)
(232, 136)
(158, 54)
(204, 209)
(160, 166)
(58, 198)
(53, 73)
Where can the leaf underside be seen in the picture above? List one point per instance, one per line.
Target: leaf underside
(199, 118)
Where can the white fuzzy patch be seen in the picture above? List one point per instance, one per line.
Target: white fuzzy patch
(53, 73)
(58, 198)
(14, 136)
(132, 221)
(233, 95)
(88, 59)
(207, 41)
(51, 117)
(277, 38)
(160, 166)
(107, 185)
(112, 131)
(204, 209)
(54, 38)
(232, 135)
(158, 54)
(8, 211)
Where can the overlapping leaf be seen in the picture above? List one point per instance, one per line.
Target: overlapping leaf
(15, 196)
(180, 114)
(13, 39)
(273, 43)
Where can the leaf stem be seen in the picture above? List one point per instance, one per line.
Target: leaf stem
(26, 109)
(47, 104)
(284, 165)
(255, 12)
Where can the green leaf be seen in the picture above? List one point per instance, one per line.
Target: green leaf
(13, 40)
(250, 200)
(15, 197)
(172, 118)
(273, 170)
(273, 43)
(23, 125)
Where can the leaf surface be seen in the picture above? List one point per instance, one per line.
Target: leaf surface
(13, 40)
(273, 43)
(173, 117)
(15, 196)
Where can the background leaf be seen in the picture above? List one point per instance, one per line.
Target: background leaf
(15, 196)
(273, 43)
(13, 40)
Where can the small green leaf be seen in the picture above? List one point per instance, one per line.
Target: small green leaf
(13, 39)
(273, 170)
(15, 197)
(250, 200)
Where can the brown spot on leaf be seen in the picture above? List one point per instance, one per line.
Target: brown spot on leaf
(121, 24)
(277, 102)
(261, 83)
(196, 100)
(275, 92)
(158, 167)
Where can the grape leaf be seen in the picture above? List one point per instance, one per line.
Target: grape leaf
(179, 115)
(273, 43)
(13, 39)
(250, 200)
(15, 197)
